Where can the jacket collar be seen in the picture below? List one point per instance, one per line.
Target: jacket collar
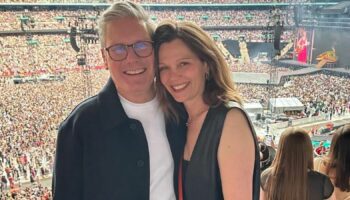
(111, 111)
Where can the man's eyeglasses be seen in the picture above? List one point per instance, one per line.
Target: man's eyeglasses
(119, 52)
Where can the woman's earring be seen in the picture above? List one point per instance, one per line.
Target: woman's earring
(206, 75)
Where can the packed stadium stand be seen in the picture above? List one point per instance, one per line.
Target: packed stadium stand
(43, 76)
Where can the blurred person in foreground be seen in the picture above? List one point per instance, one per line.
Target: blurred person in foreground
(291, 175)
(267, 154)
(117, 145)
(221, 158)
(336, 164)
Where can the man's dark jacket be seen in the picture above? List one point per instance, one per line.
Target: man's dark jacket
(103, 155)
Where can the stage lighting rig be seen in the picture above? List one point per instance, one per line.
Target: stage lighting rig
(82, 32)
(275, 28)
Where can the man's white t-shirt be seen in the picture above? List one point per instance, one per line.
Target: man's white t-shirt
(161, 161)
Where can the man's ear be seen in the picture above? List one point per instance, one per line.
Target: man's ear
(104, 57)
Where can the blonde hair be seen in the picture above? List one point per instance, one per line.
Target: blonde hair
(120, 10)
(287, 176)
(219, 86)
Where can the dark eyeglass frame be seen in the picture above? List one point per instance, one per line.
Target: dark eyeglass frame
(126, 46)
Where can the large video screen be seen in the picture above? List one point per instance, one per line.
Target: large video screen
(302, 45)
(332, 41)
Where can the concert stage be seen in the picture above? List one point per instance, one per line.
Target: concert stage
(292, 63)
(303, 69)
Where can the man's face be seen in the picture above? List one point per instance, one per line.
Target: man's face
(134, 75)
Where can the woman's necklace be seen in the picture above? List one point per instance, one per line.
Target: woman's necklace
(190, 120)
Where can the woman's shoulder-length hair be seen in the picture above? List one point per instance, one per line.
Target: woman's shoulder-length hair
(219, 86)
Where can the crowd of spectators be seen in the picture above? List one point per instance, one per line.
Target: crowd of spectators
(324, 93)
(223, 17)
(46, 20)
(257, 68)
(31, 54)
(323, 90)
(54, 53)
(33, 192)
(62, 19)
(30, 114)
(251, 35)
(48, 54)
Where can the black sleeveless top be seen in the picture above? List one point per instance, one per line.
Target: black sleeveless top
(201, 175)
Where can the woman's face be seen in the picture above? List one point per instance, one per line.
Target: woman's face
(181, 71)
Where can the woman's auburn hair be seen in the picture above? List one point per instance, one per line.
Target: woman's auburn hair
(219, 85)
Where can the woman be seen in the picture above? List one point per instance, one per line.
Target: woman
(302, 47)
(336, 164)
(291, 174)
(221, 158)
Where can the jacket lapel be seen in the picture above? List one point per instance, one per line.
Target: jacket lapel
(111, 111)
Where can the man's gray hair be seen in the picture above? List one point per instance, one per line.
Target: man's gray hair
(123, 9)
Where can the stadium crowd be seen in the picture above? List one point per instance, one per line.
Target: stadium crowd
(324, 93)
(30, 115)
(49, 54)
(54, 53)
(257, 68)
(29, 54)
(61, 19)
(250, 36)
(34, 192)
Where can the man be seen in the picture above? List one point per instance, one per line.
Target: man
(116, 145)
